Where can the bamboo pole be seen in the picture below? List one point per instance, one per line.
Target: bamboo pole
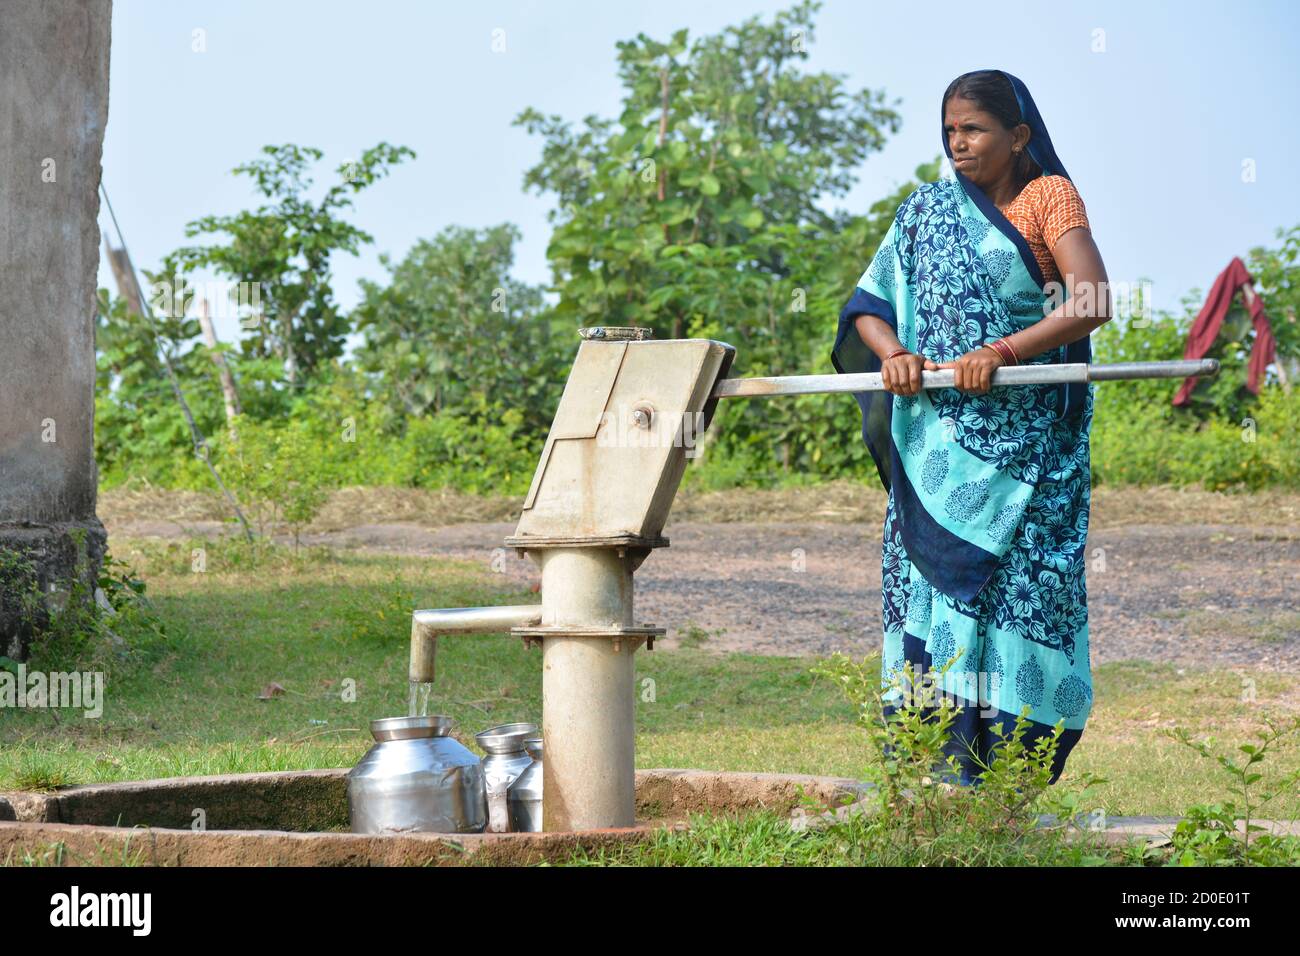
(228, 391)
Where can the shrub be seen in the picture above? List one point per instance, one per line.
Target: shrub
(275, 473)
(1209, 836)
(920, 815)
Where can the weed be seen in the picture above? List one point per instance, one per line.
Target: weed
(1208, 834)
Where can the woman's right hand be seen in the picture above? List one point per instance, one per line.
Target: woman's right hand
(901, 375)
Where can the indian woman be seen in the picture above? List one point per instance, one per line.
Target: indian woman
(983, 556)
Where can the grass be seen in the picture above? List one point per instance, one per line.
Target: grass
(57, 854)
(1247, 623)
(332, 630)
(764, 838)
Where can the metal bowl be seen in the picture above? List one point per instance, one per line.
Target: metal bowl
(411, 728)
(534, 747)
(505, 738)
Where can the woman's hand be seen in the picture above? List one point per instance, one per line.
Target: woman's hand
(973, 372)
(902, 374)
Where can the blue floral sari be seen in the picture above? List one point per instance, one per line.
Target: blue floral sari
(983, 552)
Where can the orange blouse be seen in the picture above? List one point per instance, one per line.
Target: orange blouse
(1047, 208)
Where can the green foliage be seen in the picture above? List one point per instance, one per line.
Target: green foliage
(1228, 439)
(453, 333)
(917, 803)
(282, 251)
(272, 470)
(700, 211)
(456, 451)
(139, 428)
(1210, 835)
(1278, 279)
(915, 808)
(72, 630)
(20, 590)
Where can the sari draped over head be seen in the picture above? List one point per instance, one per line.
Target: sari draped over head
(985, 528)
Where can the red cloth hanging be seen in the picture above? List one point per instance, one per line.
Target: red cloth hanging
(1206, 328)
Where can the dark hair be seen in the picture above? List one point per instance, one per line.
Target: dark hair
(993, 93)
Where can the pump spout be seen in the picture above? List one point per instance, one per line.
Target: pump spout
(427, 625)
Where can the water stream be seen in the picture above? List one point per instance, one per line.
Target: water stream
(418, 698)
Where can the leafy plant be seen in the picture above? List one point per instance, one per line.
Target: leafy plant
(1208, 834)
(919, 806)
(700, 211)
(703, 209)
(452, 333)
(121, 585)
(276, 473)
(20, 590)
(284, 248)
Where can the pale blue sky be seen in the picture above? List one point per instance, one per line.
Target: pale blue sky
(1153, 130)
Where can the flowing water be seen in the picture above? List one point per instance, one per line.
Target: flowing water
(418, 698)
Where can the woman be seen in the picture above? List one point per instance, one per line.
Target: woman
(983, 554)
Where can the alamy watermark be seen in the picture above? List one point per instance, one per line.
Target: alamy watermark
(242, 301)
(651, 428)
(1132, 300)
(78, 690)
(928, 686)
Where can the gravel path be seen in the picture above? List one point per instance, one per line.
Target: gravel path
(1198, 595)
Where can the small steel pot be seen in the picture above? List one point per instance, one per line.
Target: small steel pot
(525, 795)
(506, 759)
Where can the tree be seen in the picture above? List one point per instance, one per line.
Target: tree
(453, 332)
(282, 250)
(700, 212)
(137, 421)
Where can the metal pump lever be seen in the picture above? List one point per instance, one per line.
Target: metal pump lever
(1014, 375)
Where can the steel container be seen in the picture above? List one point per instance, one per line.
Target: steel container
(524, 797)
(416, 778)
(505, 760)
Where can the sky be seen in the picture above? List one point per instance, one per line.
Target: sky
(1155, 108)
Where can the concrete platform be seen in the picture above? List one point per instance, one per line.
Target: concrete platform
(299, 818)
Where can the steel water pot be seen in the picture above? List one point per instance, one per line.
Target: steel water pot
(525, 795)
(416, 778)
(505, 760)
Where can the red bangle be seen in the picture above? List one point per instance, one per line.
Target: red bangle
(897, 352)
(1006, 351)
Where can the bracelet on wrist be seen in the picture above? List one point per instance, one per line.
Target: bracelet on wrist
(896, 353)
(1005, 351)
(999, 352)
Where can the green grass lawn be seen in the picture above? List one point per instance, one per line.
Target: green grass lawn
(322, 623)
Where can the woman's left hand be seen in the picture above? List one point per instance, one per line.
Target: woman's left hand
(973, 372)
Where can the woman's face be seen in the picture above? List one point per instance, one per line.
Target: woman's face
(981, 148)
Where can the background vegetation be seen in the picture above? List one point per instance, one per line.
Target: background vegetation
(699, 211)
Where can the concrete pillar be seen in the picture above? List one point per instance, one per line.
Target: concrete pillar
(53, 107)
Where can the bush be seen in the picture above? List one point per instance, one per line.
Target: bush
(1209, 835)
(80, 632)
(275, 474)
(1148, 444)
(921, 816)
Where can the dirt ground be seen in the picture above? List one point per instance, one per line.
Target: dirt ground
(1187, 577)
